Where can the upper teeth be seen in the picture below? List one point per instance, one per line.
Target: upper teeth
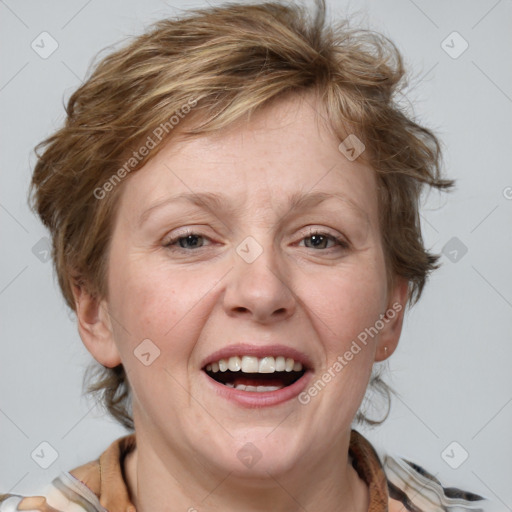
(251, 364)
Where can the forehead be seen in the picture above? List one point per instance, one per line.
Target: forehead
(283, 152)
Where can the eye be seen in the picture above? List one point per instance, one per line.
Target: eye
(319, 238)
(190, 240)
(187, 240)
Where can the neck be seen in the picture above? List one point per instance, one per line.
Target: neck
(157, 482)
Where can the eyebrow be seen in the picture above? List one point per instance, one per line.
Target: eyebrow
(215, 203)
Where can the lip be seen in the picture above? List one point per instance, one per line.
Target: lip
(255, 399)
(243, 349)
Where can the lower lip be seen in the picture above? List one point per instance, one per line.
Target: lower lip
(256, 399)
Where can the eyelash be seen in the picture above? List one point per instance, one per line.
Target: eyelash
(342, 243)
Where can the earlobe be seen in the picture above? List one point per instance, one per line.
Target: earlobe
(95, 327)
(393, 320)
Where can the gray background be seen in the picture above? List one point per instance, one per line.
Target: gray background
(453, 364)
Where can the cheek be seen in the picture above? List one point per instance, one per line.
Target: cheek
(345, 302)
(151, 301)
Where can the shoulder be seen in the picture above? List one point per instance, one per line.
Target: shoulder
(411, 487)
(81, 489)
(66, 493)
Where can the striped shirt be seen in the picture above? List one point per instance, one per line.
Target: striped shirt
(394, 485)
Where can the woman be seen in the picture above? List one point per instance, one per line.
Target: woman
(233, 202)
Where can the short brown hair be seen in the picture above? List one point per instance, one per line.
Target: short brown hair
(228, 62)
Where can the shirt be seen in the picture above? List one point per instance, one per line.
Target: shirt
(394, 485)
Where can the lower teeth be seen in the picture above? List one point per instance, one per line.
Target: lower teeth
(257, 389)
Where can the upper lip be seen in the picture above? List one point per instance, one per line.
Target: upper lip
(243, 349)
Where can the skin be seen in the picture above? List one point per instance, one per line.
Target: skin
(193, 301)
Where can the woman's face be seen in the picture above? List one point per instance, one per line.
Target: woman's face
(260, 280)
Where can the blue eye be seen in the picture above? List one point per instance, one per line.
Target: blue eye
(319, 237)
(191, 240)
(188, 238)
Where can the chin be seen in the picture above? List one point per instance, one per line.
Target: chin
(257, 466)
(257, 455)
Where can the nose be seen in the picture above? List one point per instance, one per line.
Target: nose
(260, 289)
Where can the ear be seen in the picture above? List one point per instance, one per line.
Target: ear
(95, 327)
(392, 319)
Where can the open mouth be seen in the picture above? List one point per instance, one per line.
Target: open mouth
(253, 374)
